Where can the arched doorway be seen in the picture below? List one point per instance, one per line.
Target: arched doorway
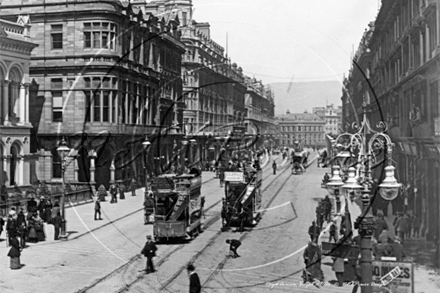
(14, 166)
(102, 164)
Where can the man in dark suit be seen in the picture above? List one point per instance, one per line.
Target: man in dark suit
(194, 281)
(57, 223)
(233, 245)
(97, 209)
(149, 251)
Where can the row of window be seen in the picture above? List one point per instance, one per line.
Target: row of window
(106, 102)
(301, 128)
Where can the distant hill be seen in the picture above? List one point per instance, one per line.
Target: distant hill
(300, 96)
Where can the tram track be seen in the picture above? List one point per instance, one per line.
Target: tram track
(243, 236)
(123, 268)
(216, 235)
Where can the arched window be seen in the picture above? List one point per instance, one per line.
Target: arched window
(14, 90)
(15, 151)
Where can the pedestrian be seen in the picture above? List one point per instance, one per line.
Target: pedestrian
(121, 188)
(39, 227)
(21, 218)
(57, 222)
(381, 249)
(98, 209)
(224, 213)
(233, 246)
(41, 206)
(194, 281)
(327, 208)
(48, 211)
(332, 233)
(401, 227)
(149, 251)
(338, 268)
(274, 167)
(31, 205)
(381, 225)
(397, 249)
(202, 205)
(314, 231)
(416, 223)
(113, 193)
(222, 177)
(11, 226)
(14, 253)
(22, 232)
(241, 218)
(102, 192)
(33, 237)
(2, 223)
(133, 187)
(55, 210)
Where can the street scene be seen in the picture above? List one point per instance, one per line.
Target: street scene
(145, 149)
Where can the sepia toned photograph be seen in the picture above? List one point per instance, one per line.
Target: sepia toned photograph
(167, 146)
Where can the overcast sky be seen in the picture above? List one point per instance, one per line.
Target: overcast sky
(288, 40)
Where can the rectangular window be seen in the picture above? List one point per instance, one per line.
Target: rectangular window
(57, 36)
(57, 99)
(106, 106)
(99, 35)
(96, 106)
(87, 39)
(57, 108)
(96, 39)
(56, 165)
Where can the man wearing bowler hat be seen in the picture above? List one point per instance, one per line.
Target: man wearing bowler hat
(149, 251)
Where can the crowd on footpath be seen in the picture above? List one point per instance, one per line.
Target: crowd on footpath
(28, 227)
(385, 246)
(24, 228)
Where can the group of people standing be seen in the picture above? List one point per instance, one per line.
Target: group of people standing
(22, 228)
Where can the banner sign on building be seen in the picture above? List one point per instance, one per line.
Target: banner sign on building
(340, 250)
(397, 277)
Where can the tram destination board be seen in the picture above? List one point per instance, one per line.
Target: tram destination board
(234, 176)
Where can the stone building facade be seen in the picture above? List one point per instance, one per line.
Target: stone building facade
(17, 163)
(260, 105)
(396, 73)
(104, 76)
(332, 116)
(306, 128)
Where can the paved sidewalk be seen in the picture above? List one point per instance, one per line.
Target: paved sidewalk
(80, 218)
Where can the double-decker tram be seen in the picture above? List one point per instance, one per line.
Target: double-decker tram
(177, 206)
(242, 200)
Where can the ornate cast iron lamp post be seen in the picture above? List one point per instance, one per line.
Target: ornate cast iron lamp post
(367, 152)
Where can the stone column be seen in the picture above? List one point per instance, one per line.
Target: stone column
(92, 155)
(428, 50)
(437, 16)
(112, 172)
(21, 105)
(5, 102)
(75, 170)
(26, 104)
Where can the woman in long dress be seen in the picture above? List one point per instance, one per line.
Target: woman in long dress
(14, 253)
(48, 212)
(33, 238)
(121, 188)
(39, 227)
